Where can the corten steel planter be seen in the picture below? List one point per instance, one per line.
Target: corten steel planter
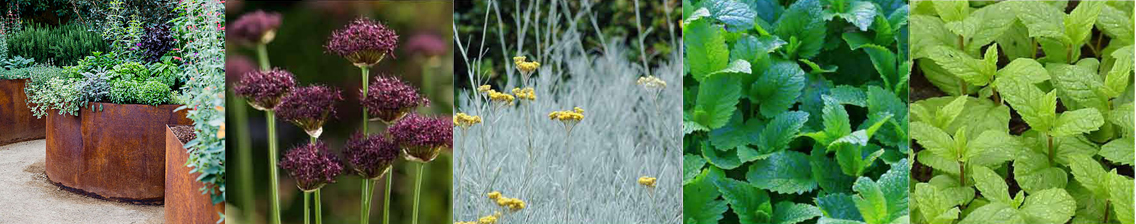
(17, 123)
(184, 202)
(118, 153)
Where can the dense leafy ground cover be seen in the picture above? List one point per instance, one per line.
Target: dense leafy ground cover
(795, 111)
(1036, 125)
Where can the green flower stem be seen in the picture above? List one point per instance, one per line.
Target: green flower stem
(307, 197)
(319, 215)
(387, 199)
(366, 202)
(418, 189)
(273, 190)
(366, 74)
(244, 154)
(262, 56)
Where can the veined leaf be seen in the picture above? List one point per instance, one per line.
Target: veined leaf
(715, 104)
(752, 205)
(780, 131)
(700, 199)
(1077, 122)
(691, 167)
(1119, 151)
(706, 50)
(803, 22)
(778, 87)
(785, 172)
(786, 212)
(858, 13)
(735, 14)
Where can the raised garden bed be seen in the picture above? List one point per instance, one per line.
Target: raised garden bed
(115, 151)
(184, 202)
(16, 122)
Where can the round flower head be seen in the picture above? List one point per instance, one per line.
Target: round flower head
(389, 99)
(264, 89)
(568, 118)
(236, 66)
(526, 67)
(256, 28)
(364, 42)
(308, 107)
(427, 44)
(465, 121)
(371, 156)
(647, 181)
(422, 138)
(312, 166)
(525, 94)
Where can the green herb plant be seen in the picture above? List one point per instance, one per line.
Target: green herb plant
(792, 111)
(1036, 125)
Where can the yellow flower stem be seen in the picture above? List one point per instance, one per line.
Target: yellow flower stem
(418, 189)
(274, 200)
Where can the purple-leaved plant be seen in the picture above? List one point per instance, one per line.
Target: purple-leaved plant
(264, 89)
(389, 99)
(309, 107)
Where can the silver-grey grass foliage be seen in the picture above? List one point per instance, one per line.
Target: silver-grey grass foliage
(623, 136)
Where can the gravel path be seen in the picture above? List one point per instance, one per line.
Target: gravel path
(26, 196)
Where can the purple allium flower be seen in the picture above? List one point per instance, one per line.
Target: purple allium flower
(312, 166)
(371, 156)
(389, 98)
(256, 27)
(236, 66)
(421, 138)
(364, 42)
(265, 88)
(427, 44)
(308, 107)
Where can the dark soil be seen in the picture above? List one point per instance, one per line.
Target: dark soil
(184, 133)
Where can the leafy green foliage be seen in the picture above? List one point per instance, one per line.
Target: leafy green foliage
(61, 45)
(789, 117)
(1059, 162)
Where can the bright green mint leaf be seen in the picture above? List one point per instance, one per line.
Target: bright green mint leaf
(786, 212)
(700, 199)
(839, 206)
(951, 11)
(756, 50)
(1123, 117)
(706, 50)
(885, 63)
(1023, 69)
(934, 205)
(933, 33)
(1077, 122)
(1120, 192)
(1040, 19)
(785, 172)
(691, 167)
(1117, 79)
(1090, 175)
(1079, 22)
(991, 185)
(689, 126)
(1050, 206)
(858, 13)
(835, 121)
(752, 205)
(955, 192)
(778, 87)
(780, 131)
(994, 213)
(988, 24)
(977, 72)
(1119, 151)
(1016, 43)
(934, 140)
(945, 116)
(1078, 85)
(1116, 23)
(694, 16)
(735, 14)
(735, 133)
(1034, 173)
(882, 103)
(894, 184)
(1037, 108)
(870, 200)
(802, 21)
(715, 104)
(992, 148)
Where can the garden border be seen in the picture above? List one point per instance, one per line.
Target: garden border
(16, 120)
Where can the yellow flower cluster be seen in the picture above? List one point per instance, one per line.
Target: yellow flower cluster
(525, 66)
(500, 97)
(513, 204)
(525, 94)
(652, 82)
(484, 88)
(463, 120)
(489, 219)
(647, 181)
(575, 115)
